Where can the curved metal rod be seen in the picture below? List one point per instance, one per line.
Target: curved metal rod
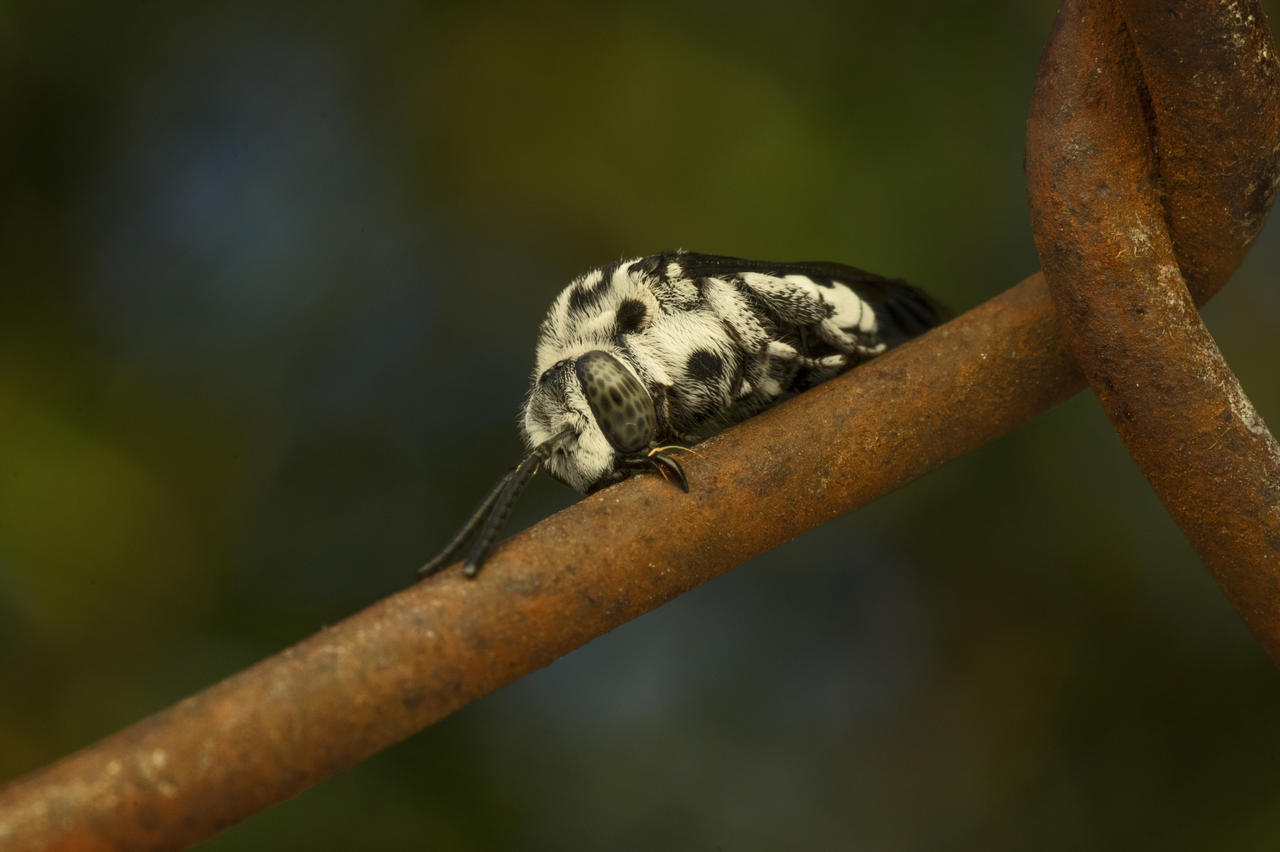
(1152, 151)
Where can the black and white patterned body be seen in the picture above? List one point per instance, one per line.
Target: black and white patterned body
(671, 348)
(644, 355)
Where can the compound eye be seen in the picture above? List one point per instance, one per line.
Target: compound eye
(622, 407)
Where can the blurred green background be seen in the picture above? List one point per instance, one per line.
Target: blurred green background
(271, 275)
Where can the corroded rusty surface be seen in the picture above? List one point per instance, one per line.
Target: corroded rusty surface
(385, 673)
(1152, 149)
(1210, 73)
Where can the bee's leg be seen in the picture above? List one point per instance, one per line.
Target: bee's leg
(663, 463)
(662, 408)
(656, 459)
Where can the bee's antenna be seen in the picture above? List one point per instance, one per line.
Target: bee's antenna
(492, 512)
(513, 484)
(455, 545)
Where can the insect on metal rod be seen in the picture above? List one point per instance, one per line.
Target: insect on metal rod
(639, 358)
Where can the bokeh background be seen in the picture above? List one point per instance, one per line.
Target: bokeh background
(269, 279)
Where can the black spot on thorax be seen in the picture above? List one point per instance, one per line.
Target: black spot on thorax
(631, 316)
(704, 366)
(585, 297)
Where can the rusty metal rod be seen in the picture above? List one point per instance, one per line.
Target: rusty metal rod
(383, 674)
(1136, 109)
(269, 732)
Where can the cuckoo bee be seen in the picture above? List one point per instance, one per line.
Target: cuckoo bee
(641, 358)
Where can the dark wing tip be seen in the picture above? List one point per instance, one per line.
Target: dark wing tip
(909, 310)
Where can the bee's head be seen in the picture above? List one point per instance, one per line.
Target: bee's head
(605, 410)
(584, 419)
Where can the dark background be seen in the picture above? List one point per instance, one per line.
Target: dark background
(270, 280)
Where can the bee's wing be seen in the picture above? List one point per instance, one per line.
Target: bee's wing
(903, 311)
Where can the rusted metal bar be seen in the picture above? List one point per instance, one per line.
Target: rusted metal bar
(355, 688)
(1152, 150)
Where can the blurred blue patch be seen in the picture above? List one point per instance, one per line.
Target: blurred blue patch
(243, 220)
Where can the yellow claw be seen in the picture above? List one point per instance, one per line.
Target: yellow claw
(657, 450)
(667, 465)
